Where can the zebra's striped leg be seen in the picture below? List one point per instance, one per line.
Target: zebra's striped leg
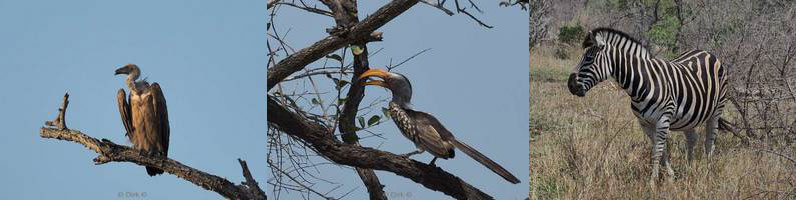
(690, 141)
(658, 147)
(711, 127)
(667, 153)
(650, 132)
(665, 161)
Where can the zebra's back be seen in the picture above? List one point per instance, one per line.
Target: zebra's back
(698, 88)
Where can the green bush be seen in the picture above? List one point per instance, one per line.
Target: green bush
(570, 34)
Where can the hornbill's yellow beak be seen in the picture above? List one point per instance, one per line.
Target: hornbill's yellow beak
(377, 73)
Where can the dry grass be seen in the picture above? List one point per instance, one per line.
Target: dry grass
(593, 148)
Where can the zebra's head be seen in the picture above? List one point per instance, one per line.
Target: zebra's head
(593, 67)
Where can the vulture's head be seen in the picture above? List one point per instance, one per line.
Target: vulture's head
(129, 69)
(395, 82)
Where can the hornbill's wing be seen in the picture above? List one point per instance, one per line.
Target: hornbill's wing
(434, 139)
(161, 116)
(124, 111)
(481, 158)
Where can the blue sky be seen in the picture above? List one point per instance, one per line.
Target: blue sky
(208, 56)
(475, 80)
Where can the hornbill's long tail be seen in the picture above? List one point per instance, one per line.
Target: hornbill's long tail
(481, 158)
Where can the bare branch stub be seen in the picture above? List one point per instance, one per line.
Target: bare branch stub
(111, 152)
(251, 185)
(60, 120)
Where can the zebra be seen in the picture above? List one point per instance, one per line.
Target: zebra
(675, 95)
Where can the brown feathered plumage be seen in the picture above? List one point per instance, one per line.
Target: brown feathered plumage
(145, 117)
(423, 129)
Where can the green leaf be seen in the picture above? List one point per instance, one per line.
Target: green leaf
(335, 56)
(340, 84)
(361, 121)
(373, 120)
(356, 49)
(315, 101)
(341, 101)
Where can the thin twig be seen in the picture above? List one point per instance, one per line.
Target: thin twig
(407, 59)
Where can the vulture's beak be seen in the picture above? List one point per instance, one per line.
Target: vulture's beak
(380, 73)
(123, 70)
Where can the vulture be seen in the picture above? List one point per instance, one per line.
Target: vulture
(423, 129)
(144, 115)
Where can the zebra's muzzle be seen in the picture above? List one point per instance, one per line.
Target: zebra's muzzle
(575, 88)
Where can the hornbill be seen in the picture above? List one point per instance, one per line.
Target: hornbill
(145, 117)
(423, 129)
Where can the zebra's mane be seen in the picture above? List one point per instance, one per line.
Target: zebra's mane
(604, 30)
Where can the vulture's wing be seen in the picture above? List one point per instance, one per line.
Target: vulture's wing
(432, 135)
(124, 111)
(470, 151)
(162, 116)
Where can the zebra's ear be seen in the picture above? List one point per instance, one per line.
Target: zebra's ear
(594, 40)
(599, 40)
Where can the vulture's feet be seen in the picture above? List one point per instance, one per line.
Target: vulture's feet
(432, 162)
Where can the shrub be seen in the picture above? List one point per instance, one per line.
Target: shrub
(570, 34)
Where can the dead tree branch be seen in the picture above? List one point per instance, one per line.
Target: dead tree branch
(303, 57)
(322, 141)
(60, 121)
(111, 152)
(438, 5)
(464, 10)
(345, 14)
(307, 8)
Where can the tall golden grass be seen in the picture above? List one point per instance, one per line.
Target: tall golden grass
(593, 148)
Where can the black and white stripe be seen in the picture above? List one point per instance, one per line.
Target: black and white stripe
(675, 95)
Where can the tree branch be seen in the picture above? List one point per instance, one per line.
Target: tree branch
(303, 57)
(323, 142)
(271, 3)
(345, 14)
(306, 8)
(60, 120)
(439, 6)
(111, 152)
(464, 10)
